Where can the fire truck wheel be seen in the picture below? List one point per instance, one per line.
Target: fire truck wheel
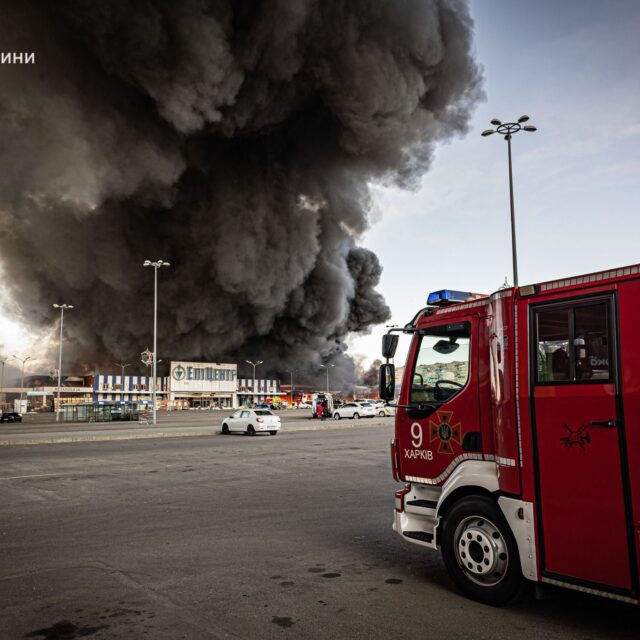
(480, 552)
(251, 431)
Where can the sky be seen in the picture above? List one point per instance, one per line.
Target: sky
(572, 67)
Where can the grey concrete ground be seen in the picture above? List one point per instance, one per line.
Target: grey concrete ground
(238, 537)
(42, 428)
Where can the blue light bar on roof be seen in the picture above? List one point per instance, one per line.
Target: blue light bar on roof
(447, 296)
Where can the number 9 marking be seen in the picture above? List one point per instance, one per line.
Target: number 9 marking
(416, 435)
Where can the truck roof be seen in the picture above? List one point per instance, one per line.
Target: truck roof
(573, 282)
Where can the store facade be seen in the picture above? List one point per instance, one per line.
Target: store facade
(202, 385)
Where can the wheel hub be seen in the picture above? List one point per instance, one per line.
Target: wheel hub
(481, 551)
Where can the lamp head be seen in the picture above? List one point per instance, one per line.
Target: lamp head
(487, 132)
(530, 128)
(495, 122)
(523, 118)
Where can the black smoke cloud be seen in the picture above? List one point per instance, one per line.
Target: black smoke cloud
(236, 140)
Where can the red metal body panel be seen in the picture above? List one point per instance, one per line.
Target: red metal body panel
(503, 409)
(629, 327)
(582, 506)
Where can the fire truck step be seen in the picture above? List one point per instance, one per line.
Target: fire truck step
(419, 535)
(425, 504)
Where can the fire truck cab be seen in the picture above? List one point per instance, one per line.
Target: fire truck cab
(517, 435)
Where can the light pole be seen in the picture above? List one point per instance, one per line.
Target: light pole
(327, 367)
(508, 129)
(156, 265)
(253, 382)
(123, 367)
(62, 307)
(23, 360)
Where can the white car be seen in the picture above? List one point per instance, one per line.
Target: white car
(381, 407)
(354, 410)
(385, 410)
(251, 421)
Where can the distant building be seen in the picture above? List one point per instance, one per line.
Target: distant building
(134, 388)
(202, 384)
(260, 390)
(188, 385)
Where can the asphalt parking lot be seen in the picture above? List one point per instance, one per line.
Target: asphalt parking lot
(43, 429)
(237, 537)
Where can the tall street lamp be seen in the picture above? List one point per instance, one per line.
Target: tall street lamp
(253, 384)
(62, 307)
(156, 265)
(327, 367)
(23, 360)
(508, 129)
(123, 367)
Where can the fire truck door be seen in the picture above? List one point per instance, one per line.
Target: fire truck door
(582, 519)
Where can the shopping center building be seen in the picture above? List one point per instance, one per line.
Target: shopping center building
(202, 385)
(189, 385)
(198, 385)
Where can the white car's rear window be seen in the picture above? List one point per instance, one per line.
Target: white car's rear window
(263, 412)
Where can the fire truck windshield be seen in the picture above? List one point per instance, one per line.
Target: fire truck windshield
(441, 368)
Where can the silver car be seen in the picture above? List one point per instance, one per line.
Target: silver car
(251, 421)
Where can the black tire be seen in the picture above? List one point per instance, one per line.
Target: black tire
(490, 570)
(336, 416)
(225, 430)
(356, 416)
(273, 433)
(251, 431)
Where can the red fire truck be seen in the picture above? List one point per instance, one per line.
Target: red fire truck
(517, 435)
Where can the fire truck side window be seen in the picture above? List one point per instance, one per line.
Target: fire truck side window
(586, 327)
(442, 365)
(591, 342)
(553, 346)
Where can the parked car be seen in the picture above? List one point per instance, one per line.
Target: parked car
(381, 407)
(354, 410)
(251, 421)
(11, 416)
(385, 410)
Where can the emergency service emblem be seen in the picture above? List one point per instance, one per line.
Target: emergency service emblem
(445, 432)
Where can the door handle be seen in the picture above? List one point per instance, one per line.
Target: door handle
(610, 424)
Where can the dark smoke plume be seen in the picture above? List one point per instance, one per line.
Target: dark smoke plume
(236, 139)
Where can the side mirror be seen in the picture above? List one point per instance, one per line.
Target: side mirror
(387, 382)
(389, 345)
